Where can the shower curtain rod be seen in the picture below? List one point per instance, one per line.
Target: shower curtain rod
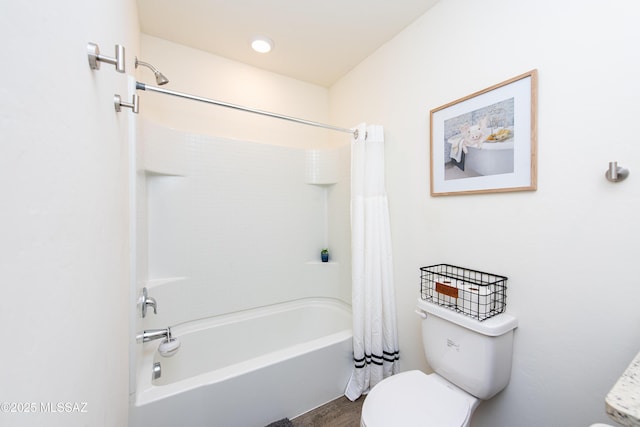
(144, 86)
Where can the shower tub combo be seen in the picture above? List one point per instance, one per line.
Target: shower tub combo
(248, 368)
(251, 367)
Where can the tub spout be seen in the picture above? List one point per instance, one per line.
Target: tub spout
(169, 345)
(153, 334)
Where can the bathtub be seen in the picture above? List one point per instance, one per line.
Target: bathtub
(492, 159)
(248, 369)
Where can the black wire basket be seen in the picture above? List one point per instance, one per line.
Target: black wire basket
(473, 293)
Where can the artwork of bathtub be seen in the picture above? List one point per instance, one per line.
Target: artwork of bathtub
(248, 369)
(492, 159)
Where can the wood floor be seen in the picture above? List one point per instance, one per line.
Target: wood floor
(338, 413)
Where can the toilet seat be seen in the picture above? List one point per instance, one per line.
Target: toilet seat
(413, 398)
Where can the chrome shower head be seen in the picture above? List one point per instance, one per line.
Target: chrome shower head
(161, 79)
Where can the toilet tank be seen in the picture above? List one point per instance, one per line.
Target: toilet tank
(473, 355)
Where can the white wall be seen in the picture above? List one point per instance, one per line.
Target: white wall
(200, 73)
(569, 249)
(63, 227)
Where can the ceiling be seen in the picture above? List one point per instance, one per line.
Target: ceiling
(317, 41)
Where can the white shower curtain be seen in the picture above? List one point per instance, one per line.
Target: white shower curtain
(375, 338)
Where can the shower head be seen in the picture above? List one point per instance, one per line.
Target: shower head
(161, 79)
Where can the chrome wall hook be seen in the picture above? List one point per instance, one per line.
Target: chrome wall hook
(616, 173)
(95, 58)
(134, 105)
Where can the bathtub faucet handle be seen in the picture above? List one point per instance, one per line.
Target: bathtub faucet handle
(146, 300)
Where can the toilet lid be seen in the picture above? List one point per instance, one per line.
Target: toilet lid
(414, 399)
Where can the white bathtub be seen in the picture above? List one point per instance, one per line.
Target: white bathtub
(492, 159)
(248, 368)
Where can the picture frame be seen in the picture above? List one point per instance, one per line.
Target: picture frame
(486, 142)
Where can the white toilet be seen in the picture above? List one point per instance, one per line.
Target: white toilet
(471, 362)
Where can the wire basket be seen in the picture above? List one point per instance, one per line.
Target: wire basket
(473, 293)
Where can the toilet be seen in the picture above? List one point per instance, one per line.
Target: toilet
(471, 361)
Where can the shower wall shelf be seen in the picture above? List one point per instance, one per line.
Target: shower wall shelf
(321, 167)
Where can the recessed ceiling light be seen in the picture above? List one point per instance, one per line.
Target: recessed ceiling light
(261, 44)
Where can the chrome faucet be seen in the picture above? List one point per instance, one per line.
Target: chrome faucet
(153, 334)
(169, 345)
(146, 300)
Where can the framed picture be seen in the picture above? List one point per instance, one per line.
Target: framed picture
(486, 142)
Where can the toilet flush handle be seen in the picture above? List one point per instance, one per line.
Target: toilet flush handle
(421, 313)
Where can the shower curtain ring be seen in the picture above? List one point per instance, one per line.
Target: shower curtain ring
(356, 134)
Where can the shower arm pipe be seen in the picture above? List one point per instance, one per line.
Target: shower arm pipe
(146, 87)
